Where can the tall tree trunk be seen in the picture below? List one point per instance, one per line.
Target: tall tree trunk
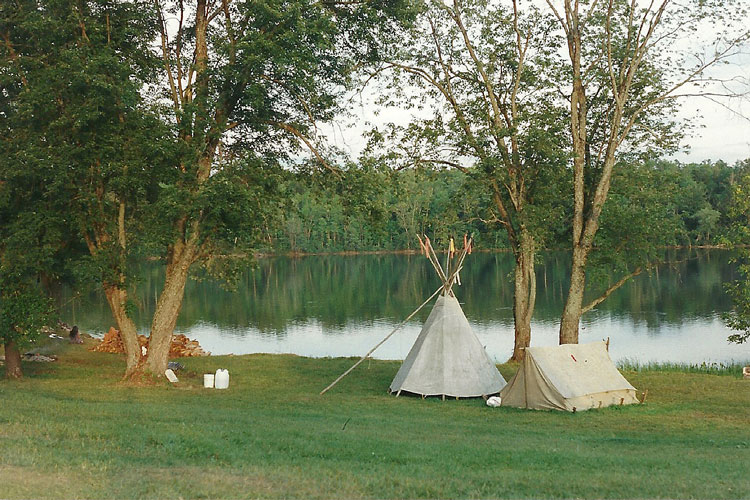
(117, 299)
(168, 309)
(573, 310)
(12, 360)
(524, 297)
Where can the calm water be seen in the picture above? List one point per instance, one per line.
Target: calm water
(342, 306)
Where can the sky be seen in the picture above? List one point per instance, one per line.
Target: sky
(723, 134)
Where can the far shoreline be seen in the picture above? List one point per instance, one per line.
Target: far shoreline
(354, 253)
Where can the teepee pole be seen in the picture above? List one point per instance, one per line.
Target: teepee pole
(347, 372)
(436, 262)
(434, 265)
(459, 266)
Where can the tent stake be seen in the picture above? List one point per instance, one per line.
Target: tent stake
(381, 342)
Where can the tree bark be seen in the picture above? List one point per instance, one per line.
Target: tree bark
(524, 296)
(573, 310)
(117, 299)
(12, 360)
(168, 308)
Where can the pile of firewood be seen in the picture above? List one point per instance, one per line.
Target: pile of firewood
(181, 346)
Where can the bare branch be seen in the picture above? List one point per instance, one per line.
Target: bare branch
(165, 57)
(295, 132)
(448, 163)
(610, 290)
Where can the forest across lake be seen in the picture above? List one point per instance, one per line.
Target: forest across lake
(343, 305)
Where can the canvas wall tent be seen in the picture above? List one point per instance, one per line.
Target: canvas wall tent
(569, 377)
(447, 358)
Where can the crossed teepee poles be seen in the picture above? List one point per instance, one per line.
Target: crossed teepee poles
(446, 276)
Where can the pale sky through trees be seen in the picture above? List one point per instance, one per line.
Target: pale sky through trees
(720, 133)
(721, 126)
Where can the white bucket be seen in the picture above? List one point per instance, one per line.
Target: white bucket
(222, 379)
(208, 380)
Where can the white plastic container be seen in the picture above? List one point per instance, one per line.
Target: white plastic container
(208, 380)
(221, 380)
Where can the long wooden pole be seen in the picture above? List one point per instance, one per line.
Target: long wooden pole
(439, 271)
(347, 372)
(459, 266)
(436, 263)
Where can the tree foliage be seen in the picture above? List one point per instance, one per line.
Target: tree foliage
(739, 317)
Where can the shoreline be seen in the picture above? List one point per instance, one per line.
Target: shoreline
(354, 253)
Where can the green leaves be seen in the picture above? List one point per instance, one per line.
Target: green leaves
(739, 317)
(24, 310)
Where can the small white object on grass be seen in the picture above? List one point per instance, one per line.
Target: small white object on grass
(171, 376)
(208, 380)
(221, 379)
(494, 401)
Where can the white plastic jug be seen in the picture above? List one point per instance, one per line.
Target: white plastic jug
(221, 381)
(208, 380)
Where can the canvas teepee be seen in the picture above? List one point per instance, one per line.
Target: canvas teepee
(447, 359)
(568, 377)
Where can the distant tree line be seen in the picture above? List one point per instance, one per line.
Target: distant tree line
(376, 208)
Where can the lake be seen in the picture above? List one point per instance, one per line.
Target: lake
(343, 305)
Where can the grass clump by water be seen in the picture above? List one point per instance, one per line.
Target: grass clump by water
(712, 368)
(72, 430)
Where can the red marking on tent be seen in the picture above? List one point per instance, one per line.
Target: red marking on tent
(574, 358)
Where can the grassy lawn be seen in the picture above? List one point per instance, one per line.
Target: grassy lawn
(71, 429)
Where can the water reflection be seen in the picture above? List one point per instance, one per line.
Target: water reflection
(342, 305)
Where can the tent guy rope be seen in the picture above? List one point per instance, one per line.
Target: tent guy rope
(347, 372)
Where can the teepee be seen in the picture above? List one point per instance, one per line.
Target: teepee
(447, 359)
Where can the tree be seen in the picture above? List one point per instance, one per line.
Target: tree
(626, 70)
(480, 66)
(250, 80)
(36, 234)
(739, 317)
(24, 310)
(88, 133)
(31, 247)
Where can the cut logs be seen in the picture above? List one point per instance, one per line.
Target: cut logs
(181, 346)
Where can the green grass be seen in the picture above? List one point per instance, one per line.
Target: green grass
(70, 429)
